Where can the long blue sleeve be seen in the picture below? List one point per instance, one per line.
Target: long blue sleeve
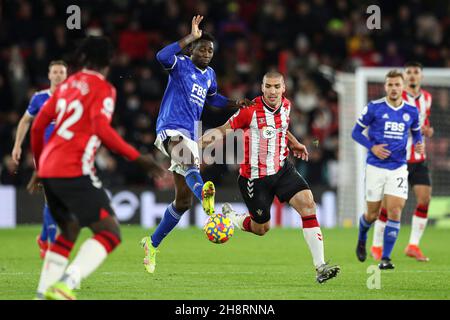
(217, 100)
(415, 128)
(358, 136)
(167, 55)
(417, 136)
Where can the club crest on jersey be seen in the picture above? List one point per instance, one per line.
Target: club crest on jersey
(406, 117)
(268, 132)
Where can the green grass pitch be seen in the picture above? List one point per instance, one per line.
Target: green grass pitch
(276, 266)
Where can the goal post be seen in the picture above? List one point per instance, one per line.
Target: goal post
(355, 90)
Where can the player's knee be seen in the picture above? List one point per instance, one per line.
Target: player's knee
(395, 211)
(260, 229)
(373, 213)
(308, 207)
(70, 230)
(259, 232)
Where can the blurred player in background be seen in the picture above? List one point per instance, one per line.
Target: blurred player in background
(192, 83)
(57, 73)
(83, 107)
(389, 121)
(419, 174)
(266, 170)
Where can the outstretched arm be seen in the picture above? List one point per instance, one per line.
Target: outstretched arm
(219, 101)
(215, 134)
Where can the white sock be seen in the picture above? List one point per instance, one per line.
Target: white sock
(52, 270)
(238, 219)
(417, 229)
(313, 237)
(378, 233)
(90, 256)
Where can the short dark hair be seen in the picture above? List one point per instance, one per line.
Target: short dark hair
(394, 74)
(57, 63)
(206, 36)
(413, 64)
(273, 74)
(94, 52)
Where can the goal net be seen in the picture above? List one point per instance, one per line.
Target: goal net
(355, 90)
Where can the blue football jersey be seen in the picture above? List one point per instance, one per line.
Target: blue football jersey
(389, 125)
(183, 101)
(36, 103)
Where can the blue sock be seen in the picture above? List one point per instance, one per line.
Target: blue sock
(50, 224)
(44, 231)
(168, 222)
(364, 227)
(390, 236)
(194, 181)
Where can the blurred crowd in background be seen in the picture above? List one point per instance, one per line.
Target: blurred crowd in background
(307, 40)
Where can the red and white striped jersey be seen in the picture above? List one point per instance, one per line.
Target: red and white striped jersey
(265, 137)
(423, 104)
(83, 107)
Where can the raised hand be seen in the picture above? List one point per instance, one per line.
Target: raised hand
(195, 31)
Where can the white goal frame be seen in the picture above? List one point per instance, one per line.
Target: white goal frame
(352, 92)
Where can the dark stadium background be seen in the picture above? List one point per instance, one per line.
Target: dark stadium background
(309, 41)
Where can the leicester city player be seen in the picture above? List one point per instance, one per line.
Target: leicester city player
(389, 121)
(57, 73)
(192, 83)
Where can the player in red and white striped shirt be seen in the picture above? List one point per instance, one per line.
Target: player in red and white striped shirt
(266, 171)
(83, 107)
(419, 175)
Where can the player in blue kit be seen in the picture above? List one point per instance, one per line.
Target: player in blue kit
(192, 84)
(388, 121)
(57, 73)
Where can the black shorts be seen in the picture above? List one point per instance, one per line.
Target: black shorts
(76, 199)
(418, 173)
(258, 194)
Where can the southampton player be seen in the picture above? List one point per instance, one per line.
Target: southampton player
(266, 171)
(57, 73)
(83, 107)
(389, 121)
(192, 83)
(419, 175)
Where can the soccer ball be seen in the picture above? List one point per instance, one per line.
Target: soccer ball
(218, 228)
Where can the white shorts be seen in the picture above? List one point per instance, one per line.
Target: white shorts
(190, 146)
(380, 181)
